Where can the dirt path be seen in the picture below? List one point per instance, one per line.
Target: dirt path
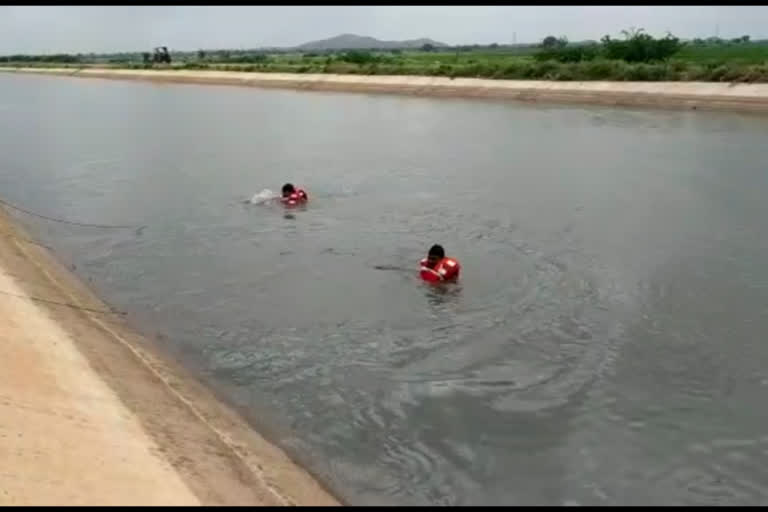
(91, 415)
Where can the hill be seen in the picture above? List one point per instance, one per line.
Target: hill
(355, 42)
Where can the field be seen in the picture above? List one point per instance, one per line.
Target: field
(720, 61)
(741, 54)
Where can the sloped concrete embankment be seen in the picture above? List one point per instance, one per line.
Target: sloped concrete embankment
(687, 95)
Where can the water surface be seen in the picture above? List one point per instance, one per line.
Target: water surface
(606, 344)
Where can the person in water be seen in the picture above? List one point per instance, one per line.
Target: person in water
(436, 267)
(293, 196)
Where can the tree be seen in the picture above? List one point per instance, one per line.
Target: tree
(201, 54)
(640, 47)
(632, 33)
(549, 42)
(552, 42)
(145, 56)
(427, 47)
(358, 57)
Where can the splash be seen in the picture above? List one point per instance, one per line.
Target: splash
(264, 196)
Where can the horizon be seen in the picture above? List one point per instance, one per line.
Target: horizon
(43, 30)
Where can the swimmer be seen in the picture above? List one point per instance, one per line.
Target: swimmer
(292, 196)
(437, 268)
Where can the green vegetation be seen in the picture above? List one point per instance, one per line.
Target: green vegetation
(634, 56)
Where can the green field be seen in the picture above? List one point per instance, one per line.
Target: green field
(741, 54)
(745, 62)
(703, 61)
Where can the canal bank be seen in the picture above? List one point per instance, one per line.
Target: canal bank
(685, 95)
(93, 415)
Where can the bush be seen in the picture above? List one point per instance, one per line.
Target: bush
(225, 57)
(195, 65)
(497, 73)
(568, 53)
(443, 70)
(678, 66)
(717, 74)
(489, 69)
(565, 73)
(512, 71)
(602, 70)
(553, 42)
(695, 74)
(637, 47)
(640, 47)
(645, 72)
(544, 70)
(732, 75)
(358, 57)
(756, 74)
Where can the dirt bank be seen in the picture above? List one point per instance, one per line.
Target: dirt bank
(688, 95)
(90, 414)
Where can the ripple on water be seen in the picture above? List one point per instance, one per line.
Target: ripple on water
(528, 382)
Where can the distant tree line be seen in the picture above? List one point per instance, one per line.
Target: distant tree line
(61, 58)
(717, 41)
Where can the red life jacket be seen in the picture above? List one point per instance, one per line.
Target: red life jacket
(298, 197)
(447, 269)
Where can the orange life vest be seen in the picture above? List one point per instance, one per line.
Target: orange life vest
(298, 197)
(447, 269)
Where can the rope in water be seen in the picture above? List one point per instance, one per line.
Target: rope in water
(64, 221)
(64, 304)
(10, 235)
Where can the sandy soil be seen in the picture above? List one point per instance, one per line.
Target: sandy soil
(687, 95)
(90, 414)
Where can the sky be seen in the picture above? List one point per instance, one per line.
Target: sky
(102, 29)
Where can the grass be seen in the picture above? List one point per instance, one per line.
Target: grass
(722, 62)
(733, 54)
(746, 64)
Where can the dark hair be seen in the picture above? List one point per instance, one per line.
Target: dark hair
(288, 189)
(437, 250)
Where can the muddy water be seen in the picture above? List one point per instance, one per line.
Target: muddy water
(605, 344)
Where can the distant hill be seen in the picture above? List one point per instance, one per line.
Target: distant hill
(355, 42)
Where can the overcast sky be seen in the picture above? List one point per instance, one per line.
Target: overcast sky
(72, 29)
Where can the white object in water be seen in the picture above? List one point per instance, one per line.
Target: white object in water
(263, 196)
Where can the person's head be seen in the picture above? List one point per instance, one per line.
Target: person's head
(436, 253)
(288, 189)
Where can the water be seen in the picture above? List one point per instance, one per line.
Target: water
(606, 344)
